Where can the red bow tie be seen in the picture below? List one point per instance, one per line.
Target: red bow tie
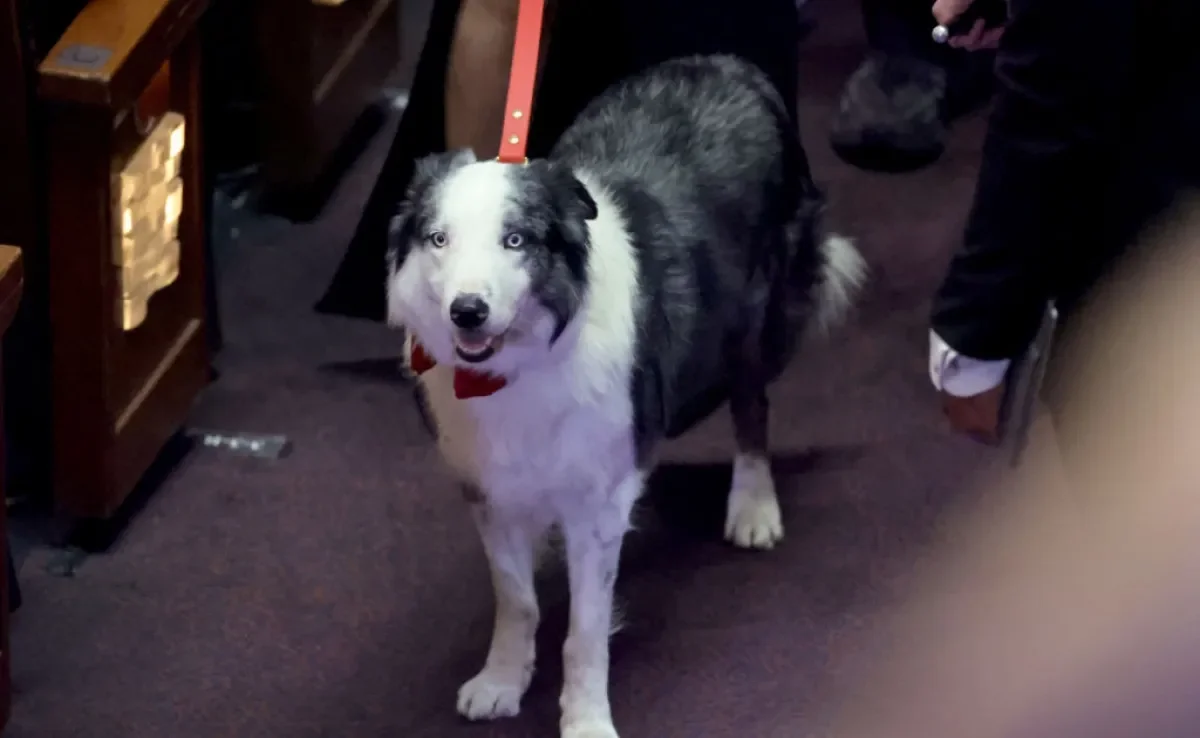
(468, 383)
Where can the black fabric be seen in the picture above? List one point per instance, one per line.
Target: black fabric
(1093, 134)
(594, 43)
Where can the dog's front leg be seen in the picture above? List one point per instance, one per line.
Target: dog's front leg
(593, 542)
(510, 541)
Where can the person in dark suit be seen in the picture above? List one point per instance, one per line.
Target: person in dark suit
(1092, 139)
(591, 44)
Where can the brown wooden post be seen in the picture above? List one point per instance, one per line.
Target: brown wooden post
(122, 385)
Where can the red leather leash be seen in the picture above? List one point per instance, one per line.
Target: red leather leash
(522, 78)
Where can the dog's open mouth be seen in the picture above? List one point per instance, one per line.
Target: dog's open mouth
(475, 347)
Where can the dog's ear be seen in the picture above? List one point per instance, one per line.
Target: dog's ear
(575, 200)
(571, 198)
(573, 206)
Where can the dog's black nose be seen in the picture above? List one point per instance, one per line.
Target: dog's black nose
(468, 311)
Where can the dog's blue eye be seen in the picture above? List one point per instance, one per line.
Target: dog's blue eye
(437, 239)
(514, 241)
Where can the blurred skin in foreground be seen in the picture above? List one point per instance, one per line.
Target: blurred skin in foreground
(1068, 608)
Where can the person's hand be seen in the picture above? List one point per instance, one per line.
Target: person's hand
(977, 416)
(978, 38)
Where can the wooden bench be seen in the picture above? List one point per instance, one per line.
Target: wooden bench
(126, 213)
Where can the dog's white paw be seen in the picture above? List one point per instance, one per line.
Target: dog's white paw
(490, 695)
(753, 522)
(589, 729)
(752, 516)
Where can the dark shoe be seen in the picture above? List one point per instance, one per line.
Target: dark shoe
(890, 116)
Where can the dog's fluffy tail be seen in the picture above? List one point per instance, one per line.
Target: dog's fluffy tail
(842, 273)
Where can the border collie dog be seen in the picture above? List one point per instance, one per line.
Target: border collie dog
(664, 259)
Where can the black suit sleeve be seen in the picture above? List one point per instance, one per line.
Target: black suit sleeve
(1063, 72)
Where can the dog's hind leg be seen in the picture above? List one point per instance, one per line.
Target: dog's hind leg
(510, 542)
(752, 517)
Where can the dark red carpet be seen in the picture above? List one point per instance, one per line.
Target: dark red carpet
(341, 592)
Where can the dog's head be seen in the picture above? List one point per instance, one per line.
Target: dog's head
(488, 261)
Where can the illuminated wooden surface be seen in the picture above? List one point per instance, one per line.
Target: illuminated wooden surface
(149, 205)
(133, 33)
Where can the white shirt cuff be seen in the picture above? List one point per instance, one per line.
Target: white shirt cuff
(962, 376)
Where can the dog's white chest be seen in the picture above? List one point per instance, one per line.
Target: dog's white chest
(525, 443)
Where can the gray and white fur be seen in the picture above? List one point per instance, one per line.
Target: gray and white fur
(664, 259)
